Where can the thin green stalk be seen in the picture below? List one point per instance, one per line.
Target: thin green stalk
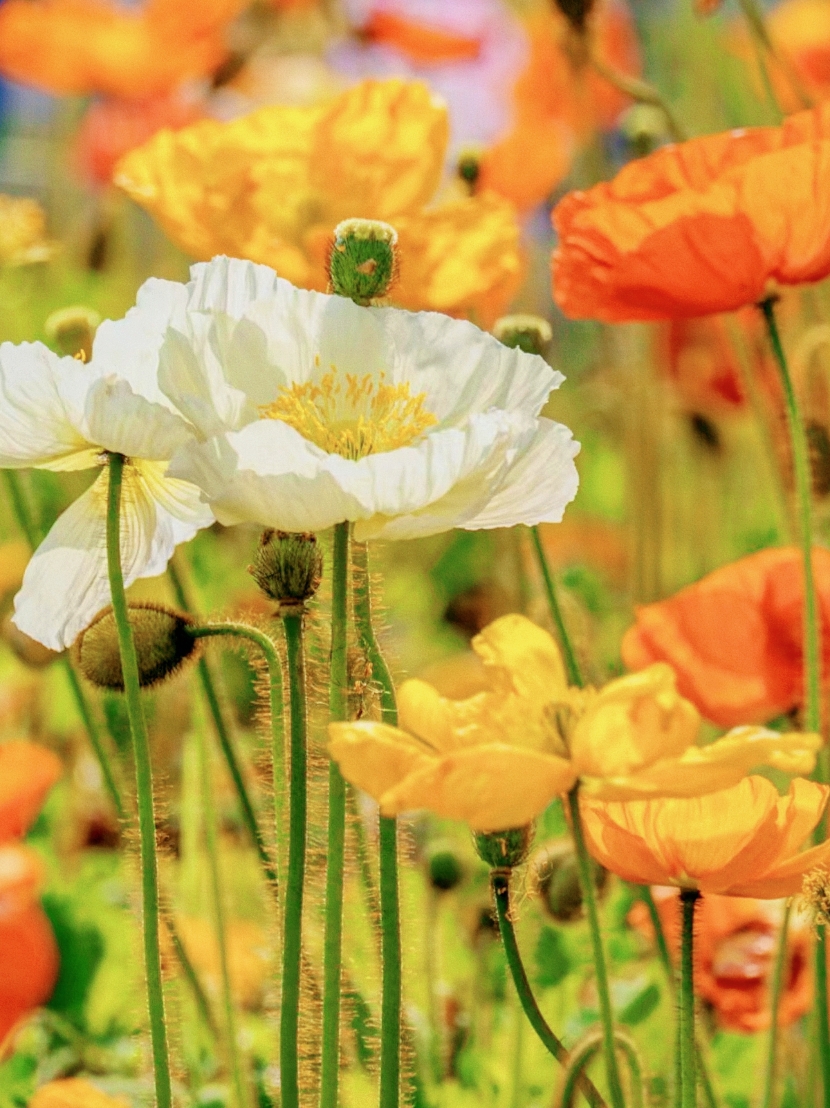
(292, 942)
(812, 652)
(222, 727)
(589, 901)
(192, 978)
(220, 922)
(568, 652)
(391, 989)
(688, 1070)
(500, 882)
(758, 29)
(582, 1055)
(775, 1004)
(336, 842)
(144, 788)
(30, 531)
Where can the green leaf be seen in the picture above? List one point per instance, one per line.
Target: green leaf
(81, 948)
(641, 1006)
(17, 1081)
(553, 963)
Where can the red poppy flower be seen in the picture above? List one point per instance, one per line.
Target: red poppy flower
(700, 227)
(734, 638)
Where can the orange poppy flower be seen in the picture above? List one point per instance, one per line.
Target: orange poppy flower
(700, 227)
(734, 637)
(558, 99)
(272, 186)
(27, 773)
(741, 841)
(86, 46)
(735, 944)
(425, 44)
(28, 951)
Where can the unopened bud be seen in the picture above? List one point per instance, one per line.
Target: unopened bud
(644, 127)
(576, 12)
(504, 849)
(446, 870)
(363, 260)
(554, 873)
(71, 331)
(530, 333)
(288, 567)
(163, 638)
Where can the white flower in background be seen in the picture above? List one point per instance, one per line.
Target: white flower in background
(312, 411)
(61, 414)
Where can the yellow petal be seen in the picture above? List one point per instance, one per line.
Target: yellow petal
(442, 723)
(492, 787)
(74, 1092)
(522, 659)
(463, 257)
(374, 756)
(707, 769)
(633, 722)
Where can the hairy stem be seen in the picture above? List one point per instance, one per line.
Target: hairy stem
(568, 652)
(775, 1004)
(688, 1067)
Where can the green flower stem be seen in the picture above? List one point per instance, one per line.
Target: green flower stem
(220, 922)
(500, 882)
(336, 843)
(367, 877)
(754, 17)
(571, 664)
(589, 900)
(85, 711)
(144, 788)
(812, 652)
(192, 978)
(391, 989)
(775, 1004)
(688, 1069)
(222, 726)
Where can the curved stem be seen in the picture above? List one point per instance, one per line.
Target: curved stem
(688, 1073)
(220, 922)
(336, 842)
(222, 727)
(586, 879)
(640, 91)
(568, 652)
(192, 978)
(144, 788)
(775, 1004)
(391, 989)
(500, 883)
(584, 1054)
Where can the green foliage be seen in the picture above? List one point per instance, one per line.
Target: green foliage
(553, 962)
(82, 948)
(641, 1006)
(17, 1081)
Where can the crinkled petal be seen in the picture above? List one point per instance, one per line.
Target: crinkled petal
(374, 756)
(119, 420)
(522, 659)
(493, 787)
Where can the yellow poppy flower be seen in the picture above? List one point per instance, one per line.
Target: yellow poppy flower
(74, 1092)
(272, 186)
(498, 758)
(741, 841)
(23, 238)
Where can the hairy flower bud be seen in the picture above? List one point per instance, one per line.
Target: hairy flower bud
(529, 333)
(554, 872)
(71, 330)
(288, 567)
(163, 638)
(363, 260)
(504, 849)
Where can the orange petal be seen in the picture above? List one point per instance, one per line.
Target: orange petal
(27, 773)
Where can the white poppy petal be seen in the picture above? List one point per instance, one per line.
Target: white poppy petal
(119, 420)
(229, 285)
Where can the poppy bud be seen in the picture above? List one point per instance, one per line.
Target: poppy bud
(644, 127)
(363, 260)
(576, 12)
(71, 331)
(504, 849)
(529, 333)
(163, 642)
(468, 168)
(445, 869)
(288, 567)
(555, 874)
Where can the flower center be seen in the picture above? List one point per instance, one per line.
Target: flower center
(350, 415)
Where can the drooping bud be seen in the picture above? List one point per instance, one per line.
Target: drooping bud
(554, 873)
(288, 567)
(576, 12)
(644, 127)
(530, 333)
(446, 870)
(163, 638)
(71, 331)
(504, 849)
(363, 260)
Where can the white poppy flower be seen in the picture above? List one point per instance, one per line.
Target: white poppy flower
(312, 410)
(60, 414)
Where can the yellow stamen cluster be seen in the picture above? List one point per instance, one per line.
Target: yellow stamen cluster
(352, 415)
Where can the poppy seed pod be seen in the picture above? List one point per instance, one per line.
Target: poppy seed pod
(288, 566)
(445, 869)
(363, 259)
(529, 333)
(504, 849)
(164, 641)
